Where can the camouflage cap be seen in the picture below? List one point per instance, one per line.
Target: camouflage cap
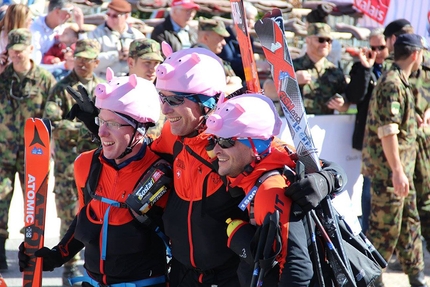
(319, 30)
(146, 49)
(87, 48)
(19, 39)
(213, 25)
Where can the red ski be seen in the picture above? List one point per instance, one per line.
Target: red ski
(37, 134)
(241, 27)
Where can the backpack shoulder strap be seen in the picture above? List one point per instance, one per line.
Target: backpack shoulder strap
(93, 176)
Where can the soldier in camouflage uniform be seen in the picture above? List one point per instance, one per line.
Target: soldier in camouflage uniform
(211, 35)
(389, 152)
(24, 88)
(319, 79)
(420, 84)
(70, 138)
(144, 57)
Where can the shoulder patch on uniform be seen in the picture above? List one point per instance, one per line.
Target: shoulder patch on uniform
(395, 108)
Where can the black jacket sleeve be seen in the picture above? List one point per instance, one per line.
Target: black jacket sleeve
(359, 84)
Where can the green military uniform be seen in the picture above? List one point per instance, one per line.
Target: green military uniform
(148, 49)
(70, 138)
(21, 96)
(325, 84)
(394, 221)
(420, 82)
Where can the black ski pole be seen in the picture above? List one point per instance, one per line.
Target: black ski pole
(343, 277)
(378, 257)
(259, 252)
(316, 260)
(268, 248)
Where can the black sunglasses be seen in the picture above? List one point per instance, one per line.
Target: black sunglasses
(224, 142)
(176, 100)
(322, 40)
(379, 48)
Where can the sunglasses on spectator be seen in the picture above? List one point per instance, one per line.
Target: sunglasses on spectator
(379, 48)
(176, 99)
(224, 142)
(114, 16)
(323, 40)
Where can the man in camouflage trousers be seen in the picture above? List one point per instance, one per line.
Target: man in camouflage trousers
(144, 57)
(24, 88)
(420, 84)
(389, 152)
(70, 138)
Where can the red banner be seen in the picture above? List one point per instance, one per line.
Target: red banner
(375, 9)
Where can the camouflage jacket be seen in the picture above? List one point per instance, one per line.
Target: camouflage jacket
(19, 100)
(392, 102)
(325, 83)
(67, 134)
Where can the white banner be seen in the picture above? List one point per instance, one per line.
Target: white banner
(332, 135)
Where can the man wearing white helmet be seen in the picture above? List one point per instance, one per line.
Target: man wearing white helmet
(120, 246)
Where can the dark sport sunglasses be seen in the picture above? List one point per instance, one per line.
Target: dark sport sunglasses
(379, 48)
(224, 142)
(322, 40)
(176, 100)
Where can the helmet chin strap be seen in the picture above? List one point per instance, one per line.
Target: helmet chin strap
(130, 146)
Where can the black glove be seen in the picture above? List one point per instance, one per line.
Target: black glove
(311, 189)
(84, 109)
(52, 258)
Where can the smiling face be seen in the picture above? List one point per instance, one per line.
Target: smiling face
(183, 118)
(115, 140)
(232, 160)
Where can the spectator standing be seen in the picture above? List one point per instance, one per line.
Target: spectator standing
(62, 51)
(321, 82)
(175, 29)
(24, 89)
(364, 74)
(45, 28)
(211, 35)
(17, 16)
(71, 138)
(115, 36)
(420, 82)
(143, 60)
(389, 155)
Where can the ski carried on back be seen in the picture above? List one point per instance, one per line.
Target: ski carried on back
(241, 27)
(37, 135)
(270, 31)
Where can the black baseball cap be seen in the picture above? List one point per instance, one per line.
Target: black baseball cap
(395, 26)
(412, 40)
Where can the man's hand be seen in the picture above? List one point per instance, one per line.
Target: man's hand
(303, 77)
(400, 183)
(367, 57)
(84, 109)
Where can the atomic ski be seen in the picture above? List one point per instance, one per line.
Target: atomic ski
(37, 133)
(241, 27)
(270, 31)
